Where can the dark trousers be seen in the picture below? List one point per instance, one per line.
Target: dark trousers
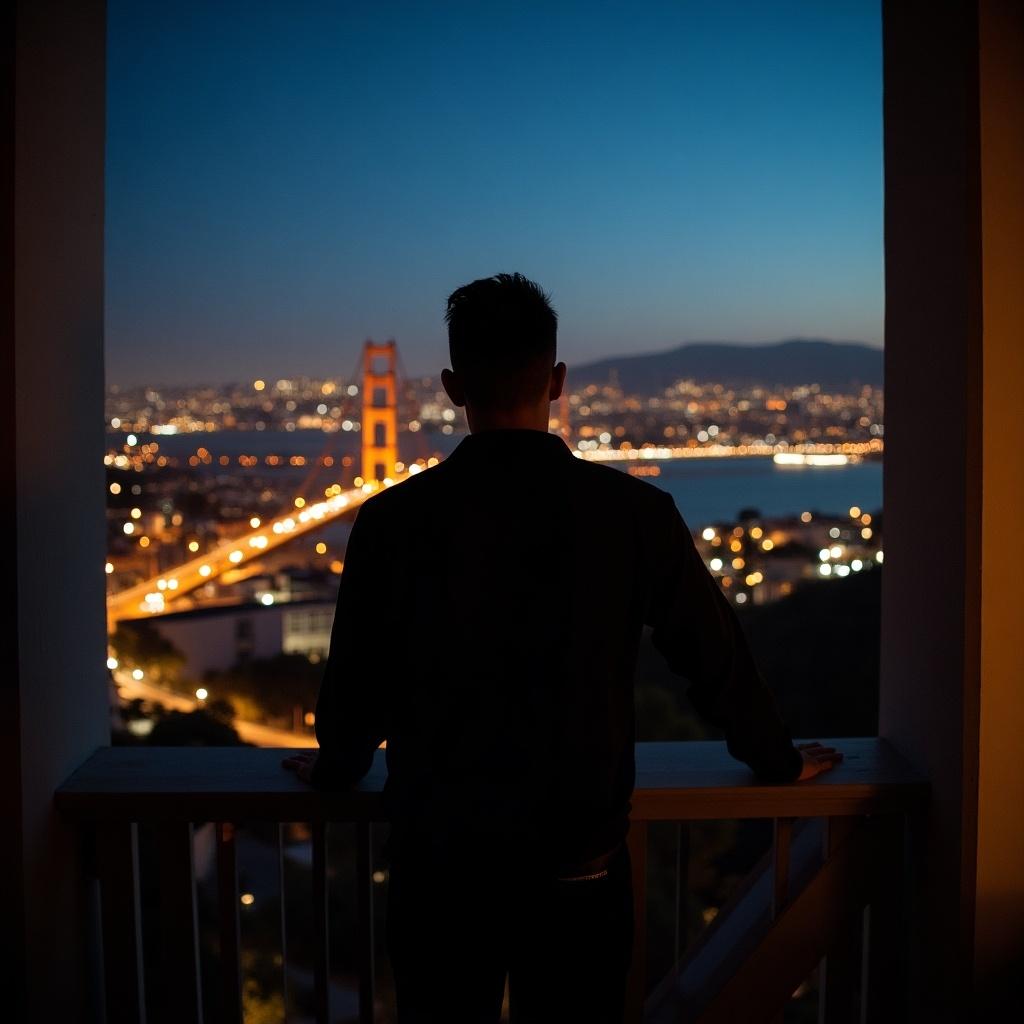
(454, 933)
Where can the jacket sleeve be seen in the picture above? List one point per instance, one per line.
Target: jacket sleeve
(352, 706)
(696, 630)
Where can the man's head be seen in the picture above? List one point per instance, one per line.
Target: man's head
(501, 338)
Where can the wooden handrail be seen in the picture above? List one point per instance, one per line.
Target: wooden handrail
(688, 781)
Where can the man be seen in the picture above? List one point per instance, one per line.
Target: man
(488, 623)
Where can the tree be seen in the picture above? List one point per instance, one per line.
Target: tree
(139, 644)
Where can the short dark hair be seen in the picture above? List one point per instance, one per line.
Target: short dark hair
(502, 339)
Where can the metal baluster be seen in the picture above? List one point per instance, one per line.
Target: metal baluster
(117, 863)
(364, 919)
(321, 959)
(284, 916)
(230, 939)
(181, 989)
(682, 936)
(636, 986)
(782, 837)
(837, 973)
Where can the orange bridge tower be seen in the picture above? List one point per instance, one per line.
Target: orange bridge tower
(380, 410)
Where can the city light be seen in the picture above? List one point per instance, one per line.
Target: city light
(247, 899)
(111, 663)
(202, 693)
(138, 674)
(129, 528)
(818, 428)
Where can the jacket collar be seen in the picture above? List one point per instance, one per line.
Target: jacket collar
(530, 443)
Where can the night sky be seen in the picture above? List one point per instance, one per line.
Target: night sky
(286, 179)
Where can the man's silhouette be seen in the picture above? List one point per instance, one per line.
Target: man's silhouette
(487, 627)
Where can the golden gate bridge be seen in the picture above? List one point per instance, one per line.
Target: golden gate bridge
(379, 459)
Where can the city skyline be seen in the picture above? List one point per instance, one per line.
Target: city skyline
(282, 184)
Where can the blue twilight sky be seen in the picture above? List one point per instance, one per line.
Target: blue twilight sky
(285, 179)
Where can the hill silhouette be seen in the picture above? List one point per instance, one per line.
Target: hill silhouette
(794, 362)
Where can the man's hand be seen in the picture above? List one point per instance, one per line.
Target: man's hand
(302, 765)
(817, 759)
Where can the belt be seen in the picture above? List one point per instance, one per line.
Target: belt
(588, 870)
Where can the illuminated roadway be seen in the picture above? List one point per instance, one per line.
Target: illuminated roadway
(249, 732)
(153, 596)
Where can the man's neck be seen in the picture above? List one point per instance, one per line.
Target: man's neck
(511, 419)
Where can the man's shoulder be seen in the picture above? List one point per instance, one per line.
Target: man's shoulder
(617, 485)
(392, 499)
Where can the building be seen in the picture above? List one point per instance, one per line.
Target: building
(215, 638)
(952, 659)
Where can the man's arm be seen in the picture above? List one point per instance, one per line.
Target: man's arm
(697, 631)
(352, 706)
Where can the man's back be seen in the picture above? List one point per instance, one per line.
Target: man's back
(488, 625)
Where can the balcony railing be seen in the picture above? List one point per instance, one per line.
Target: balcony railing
(829, 895)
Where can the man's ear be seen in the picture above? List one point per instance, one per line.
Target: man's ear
(451, 383)
(557, 381)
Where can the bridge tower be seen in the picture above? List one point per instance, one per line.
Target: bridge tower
(380, 410)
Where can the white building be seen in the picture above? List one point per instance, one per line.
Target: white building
(215, 639)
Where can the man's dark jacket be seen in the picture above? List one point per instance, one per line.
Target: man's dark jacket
(487, 626)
